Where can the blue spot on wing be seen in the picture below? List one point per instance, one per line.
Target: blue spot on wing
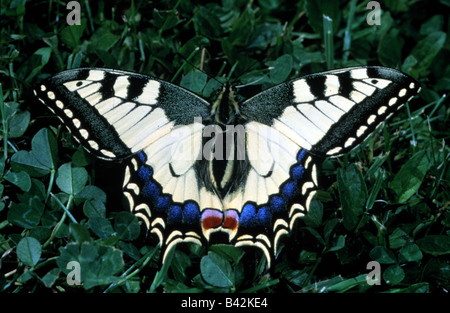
(191, 213)
(247, 217)
(145, 173)
(301, 155)
(263, 217)
(151, 190)
(289, 190)
(142, 156)
(175, 214)
(163, 203)
(297, 172)
(277, 204)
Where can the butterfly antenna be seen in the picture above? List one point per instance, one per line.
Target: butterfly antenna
(255, 82)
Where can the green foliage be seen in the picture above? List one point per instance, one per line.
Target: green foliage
(388, 204)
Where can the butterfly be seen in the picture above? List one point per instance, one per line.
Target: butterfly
(243, 172)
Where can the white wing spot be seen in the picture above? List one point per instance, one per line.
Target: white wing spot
(121, 87)
(51, 95)
(84, 133)
(108, 153)
(334, 150)
(361, 130)
(371, 119)
(149, 93)
(360, 73)
(134, 187)
(412, 85)
(331, 85)
(302, 92)
(392, 101)
(402, 92)
(96, 75)
(349, 142)
(306, 186)
(314, 174)
(59, 104)
(76, 122)
(68, 113)
(382, 110)
(43, 88)
(93, 144)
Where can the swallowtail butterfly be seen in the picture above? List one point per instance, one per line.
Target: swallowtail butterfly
(246, 171)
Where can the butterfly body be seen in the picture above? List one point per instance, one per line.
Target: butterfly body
(246, 171)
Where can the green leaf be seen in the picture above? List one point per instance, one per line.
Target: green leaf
(27, 214)
(103, 40)
(339, 244)
(79, 233)
(41, 159)
(315, 214)
(421, 58)
(390, 48)
(71, 180)
(315, 9)
(408, 180)
(91, 193)
(195, 81)
(71, 34)
(94, 208)
(231, 253)
(434, 24)
(43, 55)
(98, 263)
(393, 275)
(410, 253)
(435, 244)
(18, 124)
(281, 68)
(50, 278)
(29, 251)
(382, 255)
(127, 226)
(101, 227)
(415, 288)
(216, 271)
(20, 179)
(353, 195)
(344, 285)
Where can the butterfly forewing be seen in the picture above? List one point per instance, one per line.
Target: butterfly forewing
(330, 113)
(115, 114)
